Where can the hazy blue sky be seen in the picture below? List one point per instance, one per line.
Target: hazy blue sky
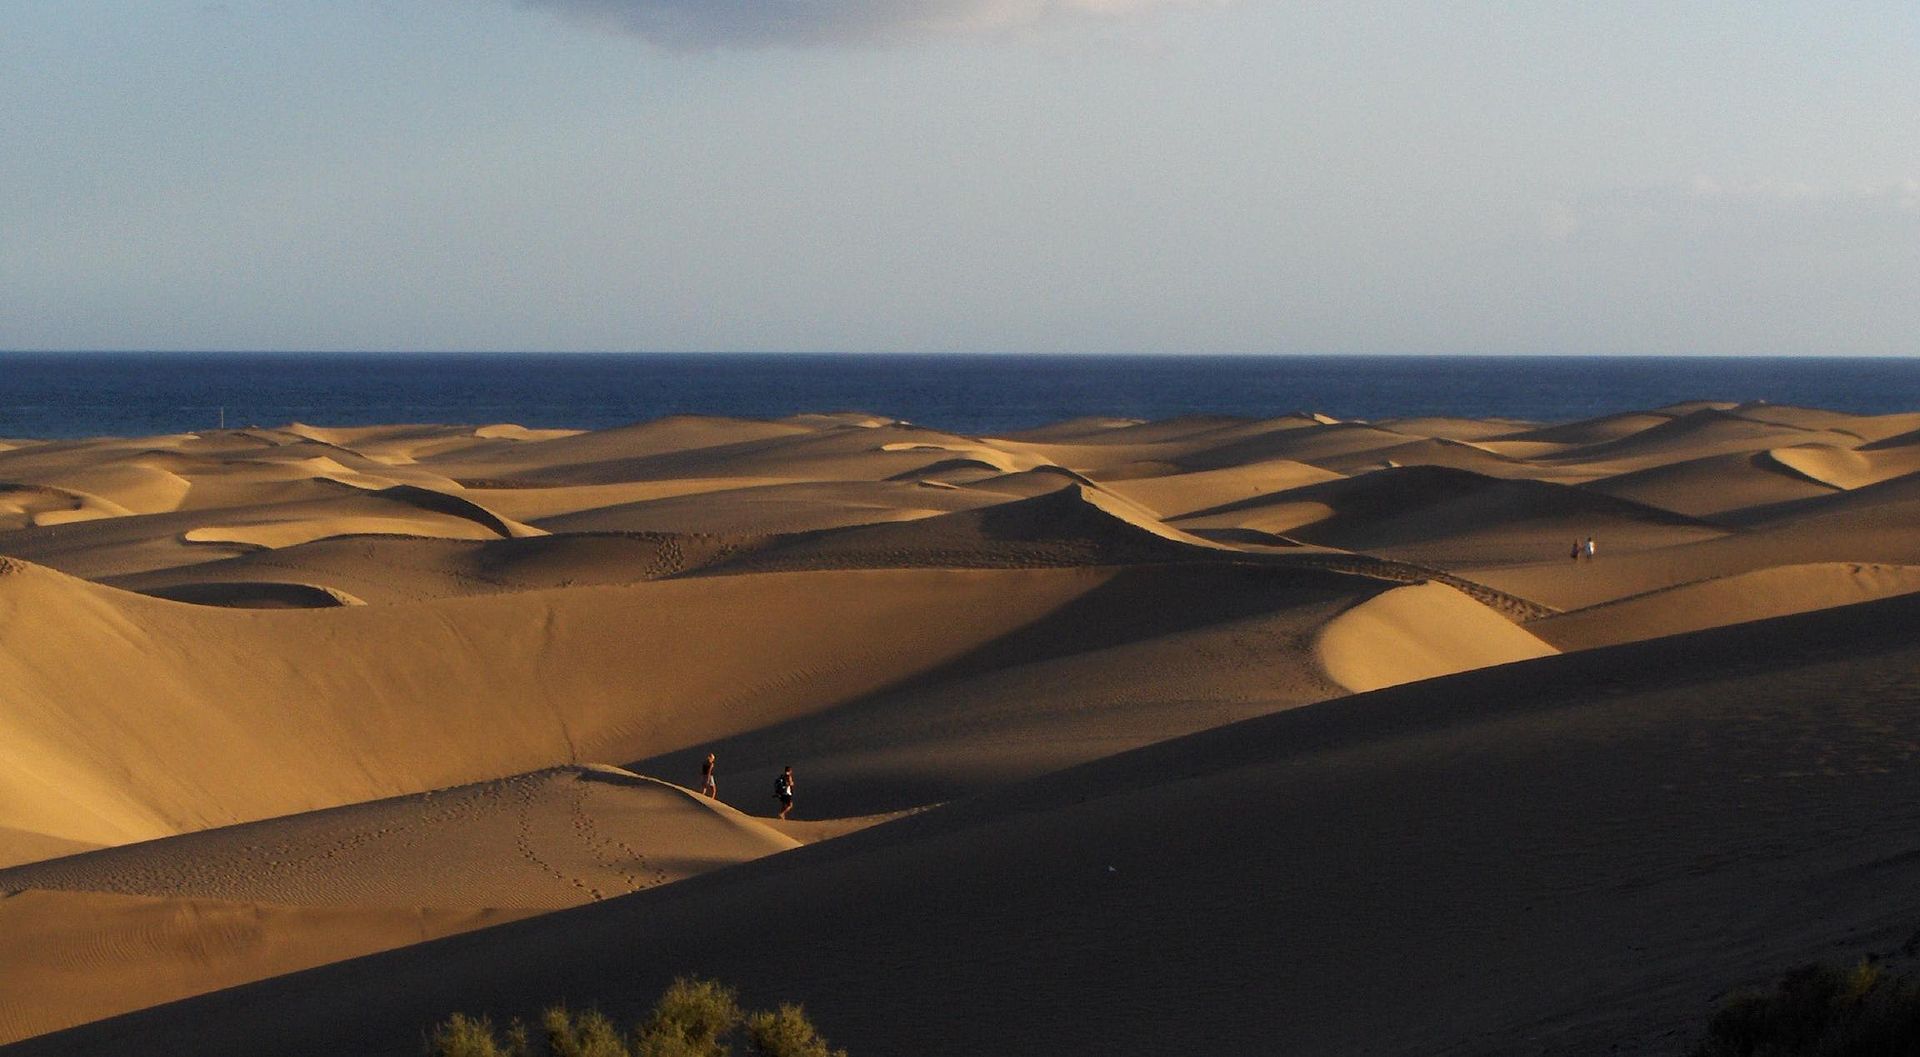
(1669, 176)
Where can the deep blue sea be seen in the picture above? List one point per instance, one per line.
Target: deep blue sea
(129, 394)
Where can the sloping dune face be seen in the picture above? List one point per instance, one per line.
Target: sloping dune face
(243, 715)
(1192, 714)
(1618, 810)
(1419, 632)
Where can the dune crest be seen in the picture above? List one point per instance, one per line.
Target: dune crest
(1271, 700)
(1421, 631)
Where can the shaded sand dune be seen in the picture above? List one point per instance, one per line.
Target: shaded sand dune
(1756, 595)
(71, 957)
(765, 509)
(255, 594)
(406, 698)
(1572, 855)
(381, 569)
(1068, 525)
(245, 714)
(399, 510)
(1714, 486)
(548, 839)
(1150, 655)
(1709, 431)
(1112, 682)
(1870, 525)
(1449, 515)
(1176, 494)
(221, 907)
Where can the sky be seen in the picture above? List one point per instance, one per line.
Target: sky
(1706, 177)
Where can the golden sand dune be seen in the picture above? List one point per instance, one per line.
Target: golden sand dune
(1873, 525)
(1448, 515)
(1176, 494)
(70, 957)
(382, 569)
(1709, 431)
(835, 452)
(240, 717)
(1755, 595)
(41, 506)
(1588, 432)
(255, 594)
(1151, 654)
(1072, 524)
(551, 838)
(609, 449)
(129, 487)
(211, 909)
(1846, 468)
(1620, 811)
(397, 511)
(771, 508)
(536, 504)
(1713, 486)
(1440, 427)
(1076, 656)
(1418, 632)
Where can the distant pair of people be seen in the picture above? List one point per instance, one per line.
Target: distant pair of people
(1583, 550)
(782, 786)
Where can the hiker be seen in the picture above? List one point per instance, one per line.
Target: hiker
(1576, 550)
(1589, 548)
(708, 788)
(783, 791)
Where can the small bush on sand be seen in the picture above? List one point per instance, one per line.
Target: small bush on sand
(588, 1034)
(463, 1036)
(786, 1032)
(1820, 1011)
(694, 1018)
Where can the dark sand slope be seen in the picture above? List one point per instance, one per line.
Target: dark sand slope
(1561, 856)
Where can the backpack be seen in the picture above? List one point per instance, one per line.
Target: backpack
(780, 788)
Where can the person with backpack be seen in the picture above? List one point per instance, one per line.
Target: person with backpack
(708, 788)
(783, 791)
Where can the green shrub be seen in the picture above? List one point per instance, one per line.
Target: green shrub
(786, 1032)
(1820, 1011)
(463, 1036)
(588, 1034)
(694, 1018)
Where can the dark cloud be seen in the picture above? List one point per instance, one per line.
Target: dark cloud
(760, 23)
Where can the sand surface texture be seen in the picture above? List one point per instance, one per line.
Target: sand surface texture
(1111, 737)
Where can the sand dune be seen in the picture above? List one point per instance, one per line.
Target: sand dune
(1167, 720)
(1428, 826)
(1448, 515)
(382, 569)
(771, 508)
(1714, 485)
(1151, 654)
(1709, 431)
(400, 699)
(255, 594)
(548, 839)
(1177, 494)
(1069, 525)
(1418, 632)
(70, 957)
(1730, 599)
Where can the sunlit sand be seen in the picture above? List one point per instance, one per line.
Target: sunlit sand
(1290, 735)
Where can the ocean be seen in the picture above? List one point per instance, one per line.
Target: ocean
(63, 395)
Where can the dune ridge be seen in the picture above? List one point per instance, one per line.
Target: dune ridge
(310, 735)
